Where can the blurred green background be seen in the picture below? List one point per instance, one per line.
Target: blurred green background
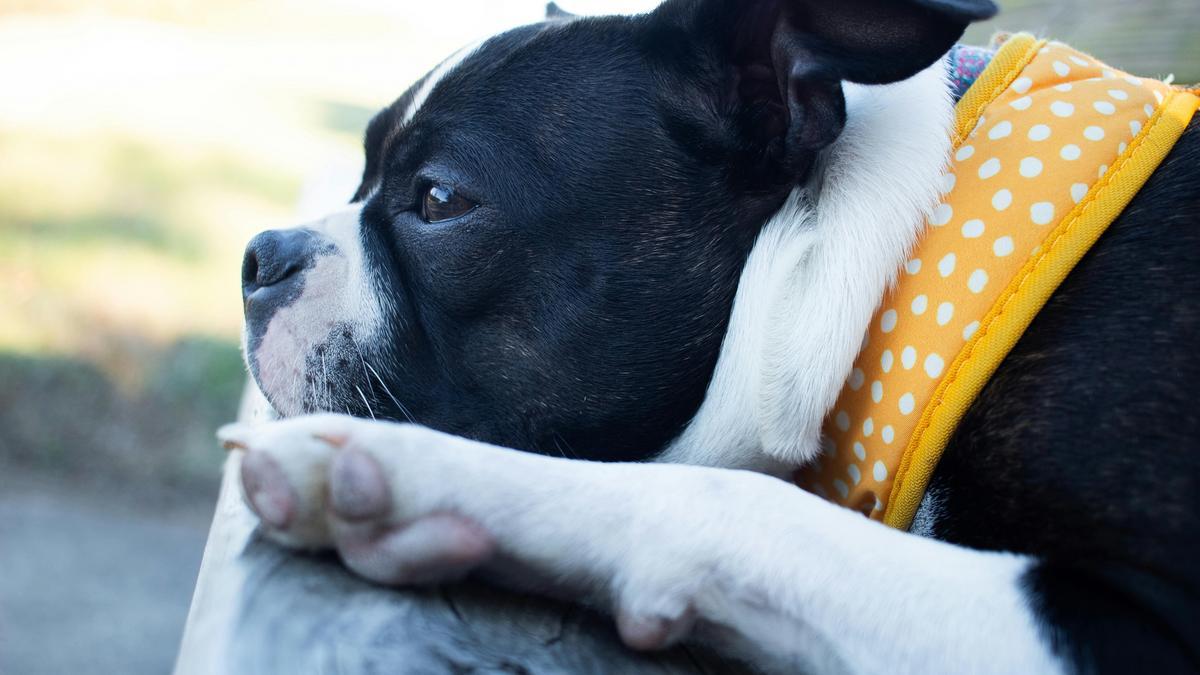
(142, 143)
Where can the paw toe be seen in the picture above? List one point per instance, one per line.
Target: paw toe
(433, 549)
(645, 631)
(357, 488)
(267, 490)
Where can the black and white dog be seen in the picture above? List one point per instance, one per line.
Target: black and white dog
(654, 243)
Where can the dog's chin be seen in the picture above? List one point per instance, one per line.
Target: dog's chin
(285, 401)
(301, 379)
(306, 397)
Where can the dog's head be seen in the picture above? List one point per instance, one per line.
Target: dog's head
(551, 225)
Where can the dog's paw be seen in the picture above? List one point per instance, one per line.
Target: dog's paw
(363, 488)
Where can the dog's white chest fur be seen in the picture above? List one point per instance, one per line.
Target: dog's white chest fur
(817, 274)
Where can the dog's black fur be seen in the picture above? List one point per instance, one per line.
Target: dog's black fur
(580, 309)
(622, 169)
(1083, 448)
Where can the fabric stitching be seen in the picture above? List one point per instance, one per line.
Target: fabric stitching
(1014, 290)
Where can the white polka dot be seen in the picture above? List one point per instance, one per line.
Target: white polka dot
(1001, 130)
(1022, 103)
(1022, 85)
(1104, 107)
(946, 265)
(857, 377)
(1062, 109)
(945, 312)
(907, 403)
(1135, 127)
(1002, 199)
(941, 215)
(1041, 213)
(888, 434)
(868, 426)
(1061, 69)
(913, 266)
(972, 229)
(964, 153)
(1121, 148)
(842, 420)
(860, 452)
(1070, 152)
(854, 472)
(1039, 132)
(920, 304)
(1031, 167)
(908, 357)
(1149, 109)
(1078, 61)
(948, 182)
(877, 391)
(989, 168)
(1078, 192)
(887, 322)
(1158, 96)
(1003, 247)
(843, 490)
(1093, 133)
(977, 281)
(1119, 94)
(970, 330)
(1065, 86)
(879, 471)
(934, 365)
(1103, 170)
(886, 360)
(1108, 74)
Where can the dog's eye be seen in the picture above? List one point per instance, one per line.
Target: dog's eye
(442, 203)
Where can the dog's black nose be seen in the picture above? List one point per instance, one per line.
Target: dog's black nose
(275, 256)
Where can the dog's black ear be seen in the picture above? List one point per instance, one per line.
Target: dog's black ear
(788, 58)
(872, 41)
(556, 13)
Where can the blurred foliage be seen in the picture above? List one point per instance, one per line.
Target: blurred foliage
(68, 416)
(142, 143)
(1151, 38)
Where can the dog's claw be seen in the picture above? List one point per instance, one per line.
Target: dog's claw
(334, 439)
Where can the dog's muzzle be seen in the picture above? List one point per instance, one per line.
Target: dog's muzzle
(271, 270)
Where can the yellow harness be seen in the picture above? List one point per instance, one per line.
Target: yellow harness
(1050, 146)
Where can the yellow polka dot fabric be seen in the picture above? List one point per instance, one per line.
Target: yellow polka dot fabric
(1050, 147)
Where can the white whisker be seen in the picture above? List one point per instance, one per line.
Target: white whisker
(387, 391)
(325, 381)
(365, 401)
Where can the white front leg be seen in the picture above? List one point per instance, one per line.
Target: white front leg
(770, 572)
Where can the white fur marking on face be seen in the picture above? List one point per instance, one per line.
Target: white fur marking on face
(339, 290)
(436, 76)
(815, 277)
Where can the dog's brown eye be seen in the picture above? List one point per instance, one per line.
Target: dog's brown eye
(442, 203)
